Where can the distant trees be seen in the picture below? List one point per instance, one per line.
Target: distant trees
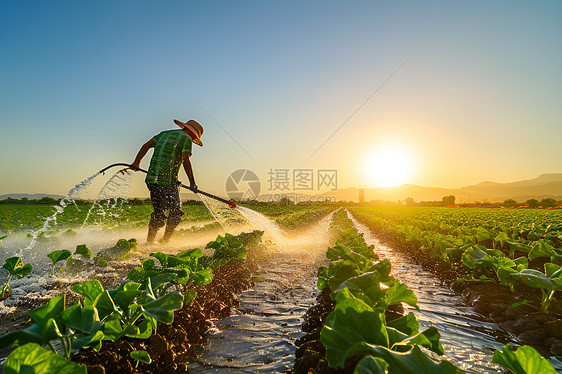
(409, 201)
(448, 200)
(509, 203)
(532, 203)
(548, 203)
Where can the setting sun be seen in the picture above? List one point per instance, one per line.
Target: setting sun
(389, 165)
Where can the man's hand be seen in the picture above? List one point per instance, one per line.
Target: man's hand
(135, 166)
(193, 187)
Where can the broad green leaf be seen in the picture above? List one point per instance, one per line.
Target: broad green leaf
(141, 356)
(53, 309)
(143, 330)
(51, 330)
(522, 262)
(92, 340)
(89, 289)
(148, 264)
(501, 239)
(23, 271)
(57, 256)
(15, 266)
(340, 271)
(104, 304)
(407, 324)
(399, 292)
(163, 281)
(162, 309)
(195, 253)
(112, 328)
(412, 362)
(83, 319)
(432, 334)
(482, 234)
(162, 257)
(536, 279)
(31, 358)
(202, 277)
(366, 287)
(84, 251)
(125, 294)
(553, 270)
(32, 334)
(371, 365)
(429, 339)
(525, 360)
(476, 256)
(352, 321)
(541, 249)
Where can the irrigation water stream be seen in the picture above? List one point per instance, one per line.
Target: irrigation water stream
(259, 337)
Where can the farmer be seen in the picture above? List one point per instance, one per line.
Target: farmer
(171, 148)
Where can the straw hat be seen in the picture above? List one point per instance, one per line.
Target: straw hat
(194, 127)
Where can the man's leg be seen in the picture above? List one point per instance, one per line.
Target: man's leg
(158, 217)
(174, 218)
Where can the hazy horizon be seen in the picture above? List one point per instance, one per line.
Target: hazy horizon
(444, 94)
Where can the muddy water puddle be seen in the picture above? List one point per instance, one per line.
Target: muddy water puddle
(468, 341)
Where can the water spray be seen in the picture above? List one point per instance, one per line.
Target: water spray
(231, 203)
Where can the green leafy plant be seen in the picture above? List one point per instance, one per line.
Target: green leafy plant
(524, 360)
(57, 256)
(548, 282)
(84, 251)
(140, 356)
(15, 267)
(74, 327)
(131, 310)
(31, 358)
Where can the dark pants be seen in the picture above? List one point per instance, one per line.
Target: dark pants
(164, 198)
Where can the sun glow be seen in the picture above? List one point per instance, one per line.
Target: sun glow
(389, 166)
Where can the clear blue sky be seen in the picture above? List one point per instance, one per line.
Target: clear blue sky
(83, 85)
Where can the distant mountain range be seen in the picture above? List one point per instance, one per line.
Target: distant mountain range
(545, 185)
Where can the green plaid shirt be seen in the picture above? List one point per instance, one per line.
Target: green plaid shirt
(167, 157)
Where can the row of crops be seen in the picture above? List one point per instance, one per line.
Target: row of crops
(363, 326)
(150, 295)
(510, 247)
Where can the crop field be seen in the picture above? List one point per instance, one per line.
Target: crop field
(83, 293)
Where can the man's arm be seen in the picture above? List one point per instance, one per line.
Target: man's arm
(142, 152)
(188, 170)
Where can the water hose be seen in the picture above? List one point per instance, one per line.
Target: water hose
(231, 203)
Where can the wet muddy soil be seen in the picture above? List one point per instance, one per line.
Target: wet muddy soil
(259, 336)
